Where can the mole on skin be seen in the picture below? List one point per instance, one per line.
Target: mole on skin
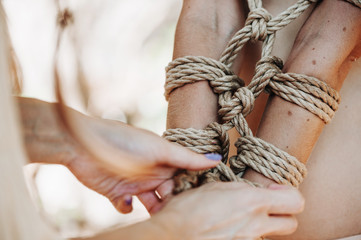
(344, 29)
(289, 113)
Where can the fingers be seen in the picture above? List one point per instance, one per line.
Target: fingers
(280, 226)
(165, 189)
(180, 157)
(150, 201)
(123, 203)
(286, 200)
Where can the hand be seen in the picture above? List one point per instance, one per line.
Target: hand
(206, 212)
(166, 157)
(48, 141)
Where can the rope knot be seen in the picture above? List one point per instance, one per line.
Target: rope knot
(266, 69)
(270, 64)
(257, 19)
(191, 69)
(241, 102)
(226, 83)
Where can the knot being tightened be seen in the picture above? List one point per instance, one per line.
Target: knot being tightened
(191, 69)
(257, 19)
(233, 104)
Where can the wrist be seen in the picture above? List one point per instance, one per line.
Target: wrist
(256, 177)
(45, 137)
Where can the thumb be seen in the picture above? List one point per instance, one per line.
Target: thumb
(181, 157)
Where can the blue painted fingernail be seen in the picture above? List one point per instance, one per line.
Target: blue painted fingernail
(213, 156)
(128, 201)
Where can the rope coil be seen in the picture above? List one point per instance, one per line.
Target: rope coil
(236, 101)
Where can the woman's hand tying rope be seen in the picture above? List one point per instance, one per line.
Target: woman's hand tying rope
(48, 141)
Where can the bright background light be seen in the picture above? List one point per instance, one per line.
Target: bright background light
(123, 47)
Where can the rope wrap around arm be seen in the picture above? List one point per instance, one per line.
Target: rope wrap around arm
(236, 101)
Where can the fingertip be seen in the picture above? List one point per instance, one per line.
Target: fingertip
(181, 157)
(128, 200)
(124, 204)
(213, 156)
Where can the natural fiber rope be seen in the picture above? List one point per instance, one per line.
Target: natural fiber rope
(236, 101)
(307, 92)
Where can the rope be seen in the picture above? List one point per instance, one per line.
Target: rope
(236, 101)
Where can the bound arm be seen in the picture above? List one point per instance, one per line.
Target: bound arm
(204, 29)
(325, 48)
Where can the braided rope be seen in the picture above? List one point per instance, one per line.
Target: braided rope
(236, 101)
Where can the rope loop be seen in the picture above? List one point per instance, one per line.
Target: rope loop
(258, 19)
(190, 69)
(200, 141)
(228, 83)
(238, 167)
(307, 92)
(268, 160)
(222, 138)
(266, 69)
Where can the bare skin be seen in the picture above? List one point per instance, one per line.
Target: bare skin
(263, 212)
(325, 47)
(48, 141)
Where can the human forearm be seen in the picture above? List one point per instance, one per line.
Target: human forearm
(325, 48)
(45, 138)
(204, 28)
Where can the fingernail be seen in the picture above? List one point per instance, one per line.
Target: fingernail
(278, 187)
(213, 156)
(128, 201)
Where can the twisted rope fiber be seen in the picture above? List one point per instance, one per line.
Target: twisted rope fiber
(269, 160)
(307, 92)
(236, 101)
